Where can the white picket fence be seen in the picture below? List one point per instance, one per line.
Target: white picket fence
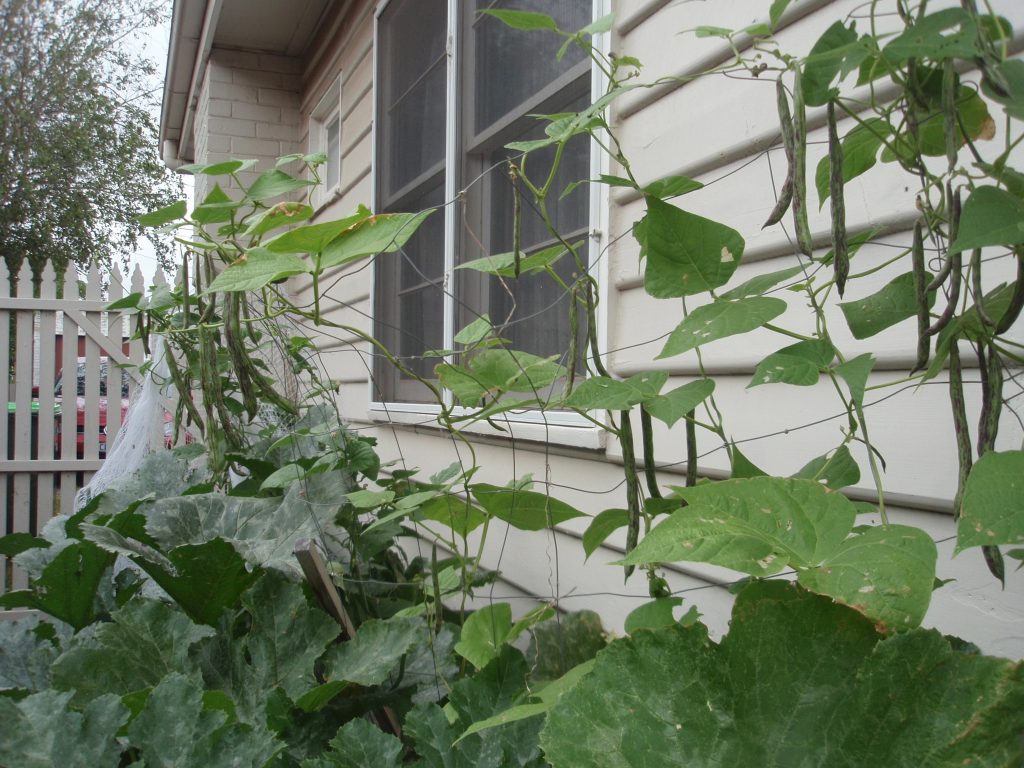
(47, 454)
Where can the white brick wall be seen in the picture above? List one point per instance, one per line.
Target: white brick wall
(248, 107)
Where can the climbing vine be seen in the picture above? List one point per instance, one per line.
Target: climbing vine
(442, 684)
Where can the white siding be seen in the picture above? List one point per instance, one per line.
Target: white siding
(715, 130)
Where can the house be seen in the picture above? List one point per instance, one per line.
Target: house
(414, 102)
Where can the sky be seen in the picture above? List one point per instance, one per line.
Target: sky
(153, 43)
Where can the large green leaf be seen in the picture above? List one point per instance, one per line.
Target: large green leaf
(203, 579)
(991, 216)
(283, 214)
(925, 39)
(26, 654)
(886, 573)
(67, 587)
(313, 238)
(894, 303)
(459, 514)
(836, 470)
(175, 730)
(855, 373)
(798, 364)
(616, 394)
(489, 628)
(374, 652)
(674, 405)
(145, 641)
(43, 731)
(496, 371)
(798, 681)
(526, 510)
(828, 57)
(602, 526)
(264, 531)
(504, 264)
(686, 253)
(358, 744)
(217, 207)
(757, 525)
(274, 183)
(164, 215)
(720, 319)
(1011, 73)
(562, 644)
(284, 639)
(488, 693)
(993, 504)
(256, 268)
(380, 233)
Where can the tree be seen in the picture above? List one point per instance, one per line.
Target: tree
(78, 142)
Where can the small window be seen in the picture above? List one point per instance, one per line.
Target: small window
(325, 136)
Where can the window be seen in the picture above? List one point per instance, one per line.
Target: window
(325, 136)
(451, 93)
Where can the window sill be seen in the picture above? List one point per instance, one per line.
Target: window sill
(565, 429)
(325, 198)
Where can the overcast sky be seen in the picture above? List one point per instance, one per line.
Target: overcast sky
(154, 44)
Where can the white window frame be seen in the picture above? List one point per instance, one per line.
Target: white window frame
(562, 427)
(327, 112)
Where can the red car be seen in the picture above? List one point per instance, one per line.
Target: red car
(80, 413)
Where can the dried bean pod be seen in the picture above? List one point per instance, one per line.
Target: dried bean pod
(841, 258)
(788, 144)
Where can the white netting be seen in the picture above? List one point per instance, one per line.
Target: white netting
(142, 431)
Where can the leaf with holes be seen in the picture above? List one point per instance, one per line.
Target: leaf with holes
(993, 505)
(758, 526)
(886, 573)
(836, 471)
(798, 364)
(719, 320)
(686, 253)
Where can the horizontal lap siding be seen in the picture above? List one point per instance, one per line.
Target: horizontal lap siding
(717, 130)
(343, 357)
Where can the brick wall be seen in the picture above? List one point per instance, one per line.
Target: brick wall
(248, 107)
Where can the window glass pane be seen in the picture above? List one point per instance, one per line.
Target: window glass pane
(522, 62)
(409, 317)
(412, 37)
(567, 214)
(333, 150)
(539, 310)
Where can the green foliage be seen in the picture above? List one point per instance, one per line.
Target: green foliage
(762, 525)
(43, 730)
(686, 254)
(78, 139)
(754, 700)
(993, 504)
(237, 665)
